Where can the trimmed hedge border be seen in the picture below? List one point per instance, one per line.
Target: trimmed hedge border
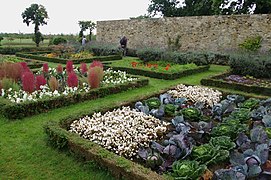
(17, 111)
(14, 50)
(63, 61)
(216, 82)
(120, 167)
(158, 75)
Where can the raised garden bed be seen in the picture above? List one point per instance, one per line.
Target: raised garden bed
(63, 61)
(246, 84)
(210, 137)
(157, 69)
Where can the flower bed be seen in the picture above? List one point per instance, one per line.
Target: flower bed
(225, 139)
(64, 61)
(242, 83)
(49, 88)
(158, 69)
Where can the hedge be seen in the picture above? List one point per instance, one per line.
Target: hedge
(166, 76)
(63, 61)
(18, 111)
(121, 168)
(14, 50)
(217, 82)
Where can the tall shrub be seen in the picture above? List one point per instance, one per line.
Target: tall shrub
(95, 76)
(59, 69)
(83, 68)
(96, 64)
(40, 81)
(69, 66)
(28, 82)
(72, 80)
(25, 67)
(53, 83)
(45, 68)
(11, 70)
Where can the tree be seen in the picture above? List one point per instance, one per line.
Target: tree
(84, 25)
(38, 15)
(1, 38)
(170, 8)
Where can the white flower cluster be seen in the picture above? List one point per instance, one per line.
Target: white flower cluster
(116, 77)
(197, 94)
(122, 131)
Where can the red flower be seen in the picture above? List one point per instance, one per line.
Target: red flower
(134, 64)
(28, 81)
(167, 67)
(69, 66)
(45, 68)
(40, 81)
(72, 80)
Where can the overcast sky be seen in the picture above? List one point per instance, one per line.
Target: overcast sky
(65, 14)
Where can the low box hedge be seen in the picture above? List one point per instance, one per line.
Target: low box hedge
(120, 167)
(63, 61)
(17, 111)
(14, 50)
(217, 82)
(166, 76)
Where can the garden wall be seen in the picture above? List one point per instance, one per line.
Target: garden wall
(212, 33)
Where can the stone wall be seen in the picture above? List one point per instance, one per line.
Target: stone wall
(212, 33)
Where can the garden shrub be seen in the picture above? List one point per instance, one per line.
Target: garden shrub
(149, 54)
(53, 83)
(83, 68)
(72, 80)
(40, 81)
(14, 50)
(28, 82)
(95, 76)
(104, 50)
(247, 64)
(251, 44)
(59, 69)
(69, 66)
(7, 83)
(58, 40)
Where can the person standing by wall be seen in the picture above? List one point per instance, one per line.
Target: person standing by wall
(123, 45)
(84, 41)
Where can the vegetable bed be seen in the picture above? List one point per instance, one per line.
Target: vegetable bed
(190, 133)
(243, 83)
(157, 69)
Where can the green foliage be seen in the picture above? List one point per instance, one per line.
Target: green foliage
(191, 114)
(171, 8)
(153, 103)
(170, 109)
(224, 142)
(38, 15)
(9, 83)
(251, 44)
(187, 170)
(84, 25)
(148, 54)
(1, 38)
(252, 65)
(250, 103)
(242, 115)
(58, 40)
(207, 154)
(104, 50)
(14, 50)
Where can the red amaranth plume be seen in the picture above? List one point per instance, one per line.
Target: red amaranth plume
(59, 69)
(25, 67)
(96, 63)
(45, 68)
(83, 68)
(40, 81)
(69, 66)
(28, 81)
(72, 80)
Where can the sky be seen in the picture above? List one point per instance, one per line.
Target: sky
(65, 14)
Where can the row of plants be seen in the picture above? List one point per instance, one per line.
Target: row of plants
(157, 69)
(63, 61)
(199, 58)
(204, 137)
(14, 50)
(21, 86)
(32, 64)
(246, 83)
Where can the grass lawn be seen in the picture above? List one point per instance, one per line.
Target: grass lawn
(24, 153)
(22, 42)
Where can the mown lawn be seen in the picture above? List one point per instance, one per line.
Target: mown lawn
(24, 153)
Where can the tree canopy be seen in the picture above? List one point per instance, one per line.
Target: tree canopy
(84, 25)
(170, 8)
(38, 15)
